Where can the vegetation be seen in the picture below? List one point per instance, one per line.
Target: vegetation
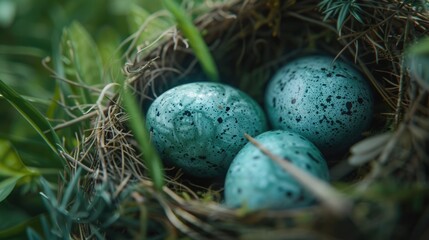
(76, 161)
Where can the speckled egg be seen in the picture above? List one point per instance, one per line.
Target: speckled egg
(200, 127)
(257, 182)
(328, 102)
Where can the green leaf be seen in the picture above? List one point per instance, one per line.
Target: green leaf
(87, 59)
(195, 39)
(7, 186)
(82, 59)
(13, 227)
(33, 116)
(22, 50)
(9, 159)
(151, 6)
(149, 27)
(29, 152)
(13, 170)
(137, 124)
(418, 62)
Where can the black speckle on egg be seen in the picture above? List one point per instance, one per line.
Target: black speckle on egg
(349, 105)
(220, 120)
(301, 197)
(187, 113)
(312, 157)
(313, 93)
(260, 181)
(293, 101)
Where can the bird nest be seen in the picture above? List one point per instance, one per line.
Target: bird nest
(383, 178)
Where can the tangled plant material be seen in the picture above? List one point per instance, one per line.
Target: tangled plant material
(249, 40)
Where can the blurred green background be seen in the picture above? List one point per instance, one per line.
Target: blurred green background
(32, 31)
(56, 56)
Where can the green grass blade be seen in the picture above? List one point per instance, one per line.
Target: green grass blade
(70, 189)
(137, 124)
(196, 41)
(33, 235)
(32, 115)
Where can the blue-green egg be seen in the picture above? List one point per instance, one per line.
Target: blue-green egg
(326, 101)
(200, 126)
(256, 182)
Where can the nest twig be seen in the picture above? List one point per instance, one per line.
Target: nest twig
(249, 40)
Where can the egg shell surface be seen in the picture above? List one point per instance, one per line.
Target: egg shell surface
(200, 126)
(257, 182)
(328, 102)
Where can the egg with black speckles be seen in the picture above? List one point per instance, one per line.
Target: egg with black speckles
(256, 182)
(328, 102)
(200, 126)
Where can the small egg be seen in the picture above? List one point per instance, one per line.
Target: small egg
(200, 126)
(257, 182)
(326, 101)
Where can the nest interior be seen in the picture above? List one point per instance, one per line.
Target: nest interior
(249, 40)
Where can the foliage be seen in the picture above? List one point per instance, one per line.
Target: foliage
(60, 62)
(75, 207)
(418, 60)
(195, 40)
(341, 10)
(78, 43)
